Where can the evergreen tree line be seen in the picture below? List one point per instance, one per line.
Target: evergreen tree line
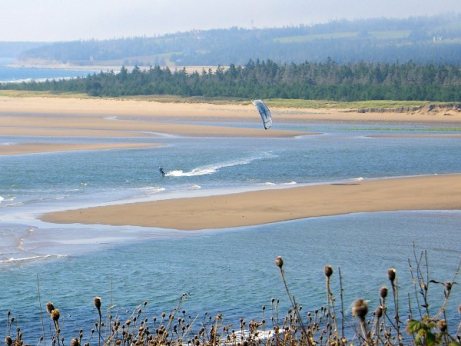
(267, 79)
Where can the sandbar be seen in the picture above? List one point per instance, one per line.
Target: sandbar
(106, 118)
(35, 148)
(216, 112)
(435, 192)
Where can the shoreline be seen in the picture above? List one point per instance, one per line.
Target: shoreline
(437, 192)
(104, 118)
(218, 112)
(39, 148)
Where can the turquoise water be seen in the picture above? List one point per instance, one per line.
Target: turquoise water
(228, 271)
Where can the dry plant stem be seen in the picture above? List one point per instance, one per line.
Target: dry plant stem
(376, 332)
(41, 311)
(447, 293)
(418, 304)
(99, 327)
(363, 328)
(458, 331)
(331, 308)
(423, 282)
(295, 307)
(395, 295)
(342, 302)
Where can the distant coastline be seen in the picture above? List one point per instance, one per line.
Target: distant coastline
(104, 67)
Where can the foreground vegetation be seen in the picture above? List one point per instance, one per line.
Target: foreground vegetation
(328, 325)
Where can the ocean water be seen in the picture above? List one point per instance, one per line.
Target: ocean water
(26, 74)
(228, 271)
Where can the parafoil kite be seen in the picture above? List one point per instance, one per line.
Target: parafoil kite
(264, 112)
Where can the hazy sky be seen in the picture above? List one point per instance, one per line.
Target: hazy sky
(67, 20)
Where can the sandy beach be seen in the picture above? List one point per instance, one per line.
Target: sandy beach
(268, 206)
(36, 148)
(35, 116)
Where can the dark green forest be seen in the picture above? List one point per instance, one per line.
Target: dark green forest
(375, 59)
(267, 79)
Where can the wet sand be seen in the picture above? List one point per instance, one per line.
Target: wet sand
(36, 148)
(441, 192)
(35, 116)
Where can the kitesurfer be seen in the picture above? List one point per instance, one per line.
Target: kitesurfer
(162, 172)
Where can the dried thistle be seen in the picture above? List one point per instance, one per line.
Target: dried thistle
(442, 325)
(97, 303)
(379, 312)
(75, 342)
(328, 271)
(55, 315)
(49, 307)
(279, 262)
(391, 274)
(360, 309)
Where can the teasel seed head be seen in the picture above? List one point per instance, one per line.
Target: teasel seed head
(360, 309)
(379, 312)
(383, 292)
(75, 342)
(8, 341)
(328, 271)
(442, 325)
(49, 307)
(391, 275)
(279, 262)
(55, 315)
(97, 303)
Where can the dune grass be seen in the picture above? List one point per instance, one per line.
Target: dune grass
(285, 103)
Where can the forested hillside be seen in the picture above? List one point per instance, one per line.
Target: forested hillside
(267, 79)
(421, 40)
(13, 49)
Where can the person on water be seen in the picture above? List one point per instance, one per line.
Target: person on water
(162, 172)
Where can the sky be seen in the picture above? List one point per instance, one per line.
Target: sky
(70, 20)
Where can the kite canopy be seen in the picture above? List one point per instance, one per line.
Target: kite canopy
(264, 112)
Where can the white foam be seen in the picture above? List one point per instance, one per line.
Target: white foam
(151, 190)
(192, 173)
(213, 168)
(27, 259)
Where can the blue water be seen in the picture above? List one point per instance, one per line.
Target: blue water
(25, 74)
(228, 271)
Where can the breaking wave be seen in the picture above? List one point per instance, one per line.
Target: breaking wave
(213, 168)
(151, 190)
(29, 259)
